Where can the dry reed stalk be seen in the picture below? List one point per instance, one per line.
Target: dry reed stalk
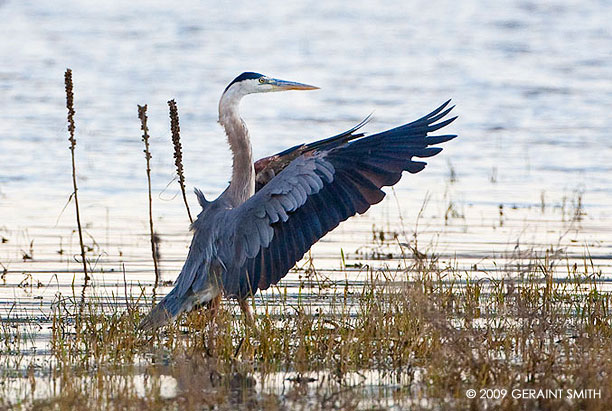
(178, 154)
(71, 128)
(142, 115)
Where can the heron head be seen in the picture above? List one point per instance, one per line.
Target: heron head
(249, 83)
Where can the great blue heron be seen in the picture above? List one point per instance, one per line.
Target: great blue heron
(275, 209)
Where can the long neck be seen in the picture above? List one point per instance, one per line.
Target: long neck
(242, 185)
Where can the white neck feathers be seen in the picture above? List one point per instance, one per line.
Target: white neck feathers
(242, 185)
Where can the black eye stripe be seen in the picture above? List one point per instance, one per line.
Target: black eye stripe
(245, 76)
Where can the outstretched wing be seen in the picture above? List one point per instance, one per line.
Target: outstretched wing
(272, 230)
(268, 167)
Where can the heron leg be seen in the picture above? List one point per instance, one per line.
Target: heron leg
(214, 304)
(250, 329)
(246, 310)
(213, 308)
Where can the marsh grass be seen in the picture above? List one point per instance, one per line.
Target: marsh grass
(419, 338)
(71, 130)
(142, 115)
(178, 151)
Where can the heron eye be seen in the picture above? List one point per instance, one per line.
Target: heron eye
(262, 80)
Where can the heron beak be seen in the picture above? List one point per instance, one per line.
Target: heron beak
(281, 85)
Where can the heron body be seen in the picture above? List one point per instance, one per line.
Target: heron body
(275, 209)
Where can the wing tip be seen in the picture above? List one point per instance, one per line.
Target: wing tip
(437, 126)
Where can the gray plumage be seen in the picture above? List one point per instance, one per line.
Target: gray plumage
(247, 240)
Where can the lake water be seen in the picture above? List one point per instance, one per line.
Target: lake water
(531, 169)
